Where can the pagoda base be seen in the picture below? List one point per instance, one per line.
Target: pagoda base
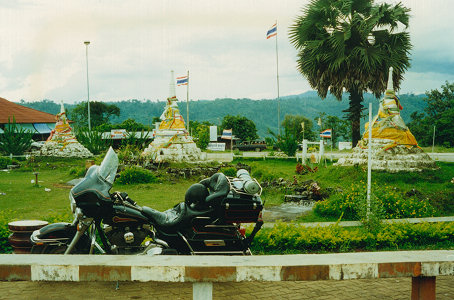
(179, 148)
(395, 159)
(70, 150)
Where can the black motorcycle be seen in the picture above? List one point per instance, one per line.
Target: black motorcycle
(207, 222)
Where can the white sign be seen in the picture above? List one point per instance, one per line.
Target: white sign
(345, 145)
(213, 133)
(216, 146)
(117, 134)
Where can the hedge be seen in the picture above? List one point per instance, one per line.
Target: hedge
(293, 238)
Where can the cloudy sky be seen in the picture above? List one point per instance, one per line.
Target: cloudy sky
(135, 44)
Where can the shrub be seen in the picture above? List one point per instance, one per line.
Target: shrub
(128, 154)
(139, 142)
(292, 238)
(55, 218)
(77, 171)
(15, 140)
(5, 218)
(92, 140)
(4, 162)
(392, 203)
(132, 175)
(264, 175)
(228, 171)
(288, 144)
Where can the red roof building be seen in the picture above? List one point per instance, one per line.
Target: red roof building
(22, 114)
(38, 122)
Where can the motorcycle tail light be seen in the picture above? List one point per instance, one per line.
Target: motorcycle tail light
(242, 231)
(260, 218)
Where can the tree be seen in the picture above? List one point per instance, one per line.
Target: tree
(100, 113)
(292, 125)
(339, 128)
(439, 113)
(201, 133)
(350, 45)
(242, 127)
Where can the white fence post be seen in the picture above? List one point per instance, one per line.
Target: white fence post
(322, 150)
(303, 157)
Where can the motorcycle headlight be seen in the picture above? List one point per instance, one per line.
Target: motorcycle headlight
(72, 203)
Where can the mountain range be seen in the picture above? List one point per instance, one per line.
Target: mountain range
(262, 112)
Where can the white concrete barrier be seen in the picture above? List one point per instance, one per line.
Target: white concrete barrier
(202, 271)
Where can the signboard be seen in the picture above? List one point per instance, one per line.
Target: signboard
(117, 134)
(213, 133)
(345, 145)
(216, 146)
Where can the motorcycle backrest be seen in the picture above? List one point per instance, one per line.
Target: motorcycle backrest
(219, 188)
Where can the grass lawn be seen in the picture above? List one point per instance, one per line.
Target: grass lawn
(23, 200)
(26, 201)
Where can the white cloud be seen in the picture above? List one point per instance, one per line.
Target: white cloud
(134, 45)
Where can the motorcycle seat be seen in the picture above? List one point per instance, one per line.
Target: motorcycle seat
(168, 218)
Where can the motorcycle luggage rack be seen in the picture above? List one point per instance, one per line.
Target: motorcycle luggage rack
(238, 191)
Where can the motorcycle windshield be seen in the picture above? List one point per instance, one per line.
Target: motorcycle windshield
(109, 165)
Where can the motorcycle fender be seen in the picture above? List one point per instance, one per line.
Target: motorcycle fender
(53, 233)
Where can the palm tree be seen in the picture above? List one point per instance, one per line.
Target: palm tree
(349, 45)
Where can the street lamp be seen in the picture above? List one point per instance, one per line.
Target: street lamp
(88, 87)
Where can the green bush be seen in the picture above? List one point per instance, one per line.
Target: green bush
(5, 218)
(132, 175)
(264, 175)
(77, 171)
(4, 162)
(92, 140)
(15, 140)
(292, 238)
(128, 154)
(393, 204)
(228, 171)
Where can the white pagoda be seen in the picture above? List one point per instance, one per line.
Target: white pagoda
(62, 142)
(394, 148)
(172, 141)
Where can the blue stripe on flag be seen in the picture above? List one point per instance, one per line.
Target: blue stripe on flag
(227, 134)
(326, 133)
(272, 32)
(182, 80)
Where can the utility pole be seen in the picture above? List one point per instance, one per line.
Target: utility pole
(88, 86)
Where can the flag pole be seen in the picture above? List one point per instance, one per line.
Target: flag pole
(187, 102)
(277, 80)
(369, 161)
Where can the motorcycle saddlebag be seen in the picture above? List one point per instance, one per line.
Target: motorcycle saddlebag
(241, 208)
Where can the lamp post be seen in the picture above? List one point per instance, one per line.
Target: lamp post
(88, 87)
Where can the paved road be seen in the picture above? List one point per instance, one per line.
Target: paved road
(390, 288)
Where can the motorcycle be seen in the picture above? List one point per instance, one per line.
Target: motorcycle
(207, 222)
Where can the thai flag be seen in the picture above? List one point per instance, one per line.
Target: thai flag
(226, 134)
(272, 32)
(326, 133)
(182, 80)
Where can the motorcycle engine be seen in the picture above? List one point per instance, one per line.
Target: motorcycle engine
(125, 239)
